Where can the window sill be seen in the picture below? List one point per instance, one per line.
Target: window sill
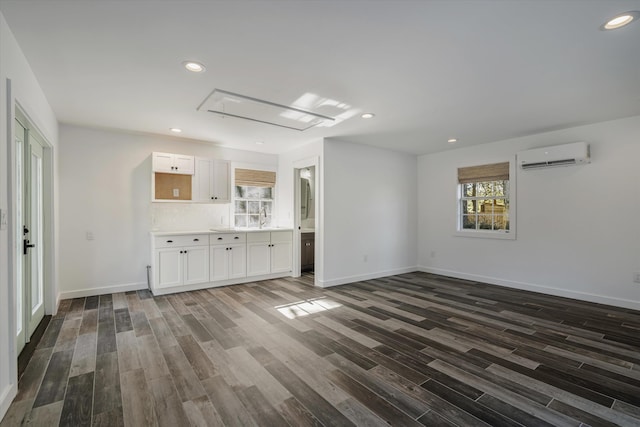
(486, 234)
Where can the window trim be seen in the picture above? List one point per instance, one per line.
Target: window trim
(491, 234)
(264, 170)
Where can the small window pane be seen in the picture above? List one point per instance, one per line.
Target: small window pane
(241, 220)
(267, 207)
(468, 222)
(266, 193)
(267, 222)
(254, 207)
(252, 193)
(241, 206)
(467, 190)
(254, 220)
(240, 191)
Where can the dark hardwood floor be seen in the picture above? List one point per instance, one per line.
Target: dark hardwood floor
(414, 349)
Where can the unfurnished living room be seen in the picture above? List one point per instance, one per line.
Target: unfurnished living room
(319, 213)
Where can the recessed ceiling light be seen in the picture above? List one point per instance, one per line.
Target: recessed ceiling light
(193, 66)
(452, 140)
(368, 115)
(175, 130)
(620, 20)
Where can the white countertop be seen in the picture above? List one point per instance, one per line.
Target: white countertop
(215, 231)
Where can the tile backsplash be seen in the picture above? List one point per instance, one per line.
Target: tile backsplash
(189, 216)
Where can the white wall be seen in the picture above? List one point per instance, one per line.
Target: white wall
(17, 85)
(105, 189)
(578, 231)
(369, 210)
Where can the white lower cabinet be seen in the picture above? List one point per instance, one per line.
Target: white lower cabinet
(228, 257)
(195, 261)
(180, 260)
(269, 252)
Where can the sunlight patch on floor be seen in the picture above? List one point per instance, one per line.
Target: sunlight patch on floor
(306, 307)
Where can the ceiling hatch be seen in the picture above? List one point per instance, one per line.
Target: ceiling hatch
(297, 116)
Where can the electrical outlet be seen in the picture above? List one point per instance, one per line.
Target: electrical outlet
(365, 258)
(90, 235)
(636, 277)
(176, 192)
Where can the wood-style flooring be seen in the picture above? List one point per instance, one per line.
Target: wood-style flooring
(413, 349)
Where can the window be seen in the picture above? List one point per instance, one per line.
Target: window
(483, 200)
(253, 201)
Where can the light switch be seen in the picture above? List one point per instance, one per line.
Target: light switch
(176, 192)
(3, 219)
(90, 235)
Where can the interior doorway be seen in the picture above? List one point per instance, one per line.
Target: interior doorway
(307, 224)
(29, 229)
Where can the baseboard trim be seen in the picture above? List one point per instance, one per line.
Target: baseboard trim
(112, 289)
(8, 394)
(582, 296)
(361, 277)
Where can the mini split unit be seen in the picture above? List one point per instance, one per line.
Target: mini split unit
(576, 153)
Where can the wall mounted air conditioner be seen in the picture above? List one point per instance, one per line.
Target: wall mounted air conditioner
(576, 153)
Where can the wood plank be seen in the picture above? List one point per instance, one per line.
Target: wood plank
(137, 401)
(107, 394)
(76, 411)
(167, 403)
(54, 383)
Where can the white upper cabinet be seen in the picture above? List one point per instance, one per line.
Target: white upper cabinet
(211, 182)
(173, 163)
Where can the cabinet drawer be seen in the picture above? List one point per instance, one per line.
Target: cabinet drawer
(281, 236)
(226, 238)
(259, 236)
(181, 240)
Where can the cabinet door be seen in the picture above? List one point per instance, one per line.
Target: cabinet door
(196, 264)
(258, 258)
(183, 164)
(168, 267)
(220, 185)
(219, 265)
(237, 261)
(281, 257)
(162, 162)
(201, 181)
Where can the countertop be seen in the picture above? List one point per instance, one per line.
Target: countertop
(216, 231)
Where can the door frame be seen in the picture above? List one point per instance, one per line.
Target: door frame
(48, 235)
(297, 234)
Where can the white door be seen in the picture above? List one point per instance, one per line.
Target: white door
(169, 267)
(196, 264)
(30, 232)
(258, 258)
(237, 261)
(219, 265)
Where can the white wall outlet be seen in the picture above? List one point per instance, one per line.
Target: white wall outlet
(365, 258)
(636, 277)
(3, 219)
(90, 235)
(176, 192)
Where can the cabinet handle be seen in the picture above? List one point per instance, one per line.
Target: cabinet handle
(180, 251)
(219, 238)
(169, 241)
(236, 237)
(185, 252)
(308, 244)
(211, 197)
(196, 240)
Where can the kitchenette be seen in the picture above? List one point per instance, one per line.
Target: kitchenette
(250, 249)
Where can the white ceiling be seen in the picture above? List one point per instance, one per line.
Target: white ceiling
(479, 70)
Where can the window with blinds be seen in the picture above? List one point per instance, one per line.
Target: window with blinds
(253, 201)
(483, 198)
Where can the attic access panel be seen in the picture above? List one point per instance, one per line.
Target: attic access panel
(229, 104)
